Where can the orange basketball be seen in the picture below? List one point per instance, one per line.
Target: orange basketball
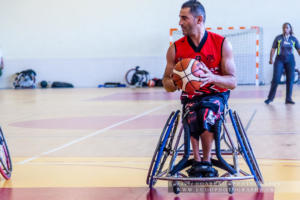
(186, 74)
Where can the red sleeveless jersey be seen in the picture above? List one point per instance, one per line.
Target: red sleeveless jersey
(209, 52)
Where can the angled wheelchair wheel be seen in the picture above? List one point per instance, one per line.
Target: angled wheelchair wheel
(5, 160)
(245, 150)
(163, 133)
(164, 149)
(248, 147)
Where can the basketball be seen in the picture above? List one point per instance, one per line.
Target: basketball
(151, 83)
(186, 75)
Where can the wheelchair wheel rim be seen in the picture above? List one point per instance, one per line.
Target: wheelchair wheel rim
(160, 153)
(157, 148)
(243, 150)
(249, 149)
(5, 161)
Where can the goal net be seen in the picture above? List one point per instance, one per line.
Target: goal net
(247, 49)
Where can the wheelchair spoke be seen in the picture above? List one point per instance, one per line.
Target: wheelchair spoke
(176, 149)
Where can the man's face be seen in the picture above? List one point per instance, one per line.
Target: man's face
(286, 29)
(187, 21)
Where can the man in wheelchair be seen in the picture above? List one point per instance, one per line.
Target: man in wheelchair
(204, 121)
(215, 53)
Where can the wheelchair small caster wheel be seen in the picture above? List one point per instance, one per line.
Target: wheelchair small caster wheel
(175, 187)
(230, 187)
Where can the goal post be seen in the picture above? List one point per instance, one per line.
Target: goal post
(247, 49)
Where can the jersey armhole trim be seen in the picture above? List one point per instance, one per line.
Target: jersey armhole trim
(175, 48)
(222, 48)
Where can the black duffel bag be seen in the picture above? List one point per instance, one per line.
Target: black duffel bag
(57, 84)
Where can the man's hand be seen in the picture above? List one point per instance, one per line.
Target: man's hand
(169, 84)
(271, 62)
(207, 77)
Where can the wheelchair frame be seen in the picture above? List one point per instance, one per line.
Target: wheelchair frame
(165, 149)
(5, 160)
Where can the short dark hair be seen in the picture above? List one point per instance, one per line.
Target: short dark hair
(196, 8)
(287, 23)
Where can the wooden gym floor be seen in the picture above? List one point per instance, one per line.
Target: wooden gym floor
(97, 143)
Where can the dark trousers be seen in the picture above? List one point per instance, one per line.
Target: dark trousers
(289, 65)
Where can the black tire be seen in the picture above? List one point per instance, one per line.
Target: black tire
(5, 160)
(176, 189)
(248, 148)
(164, 149)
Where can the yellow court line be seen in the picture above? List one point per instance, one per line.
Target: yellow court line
(284, 175)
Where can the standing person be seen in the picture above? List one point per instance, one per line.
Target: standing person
(215, 52)
(284, 44)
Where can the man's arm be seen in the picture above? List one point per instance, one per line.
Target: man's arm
(272, 55)
(275, 45)
(227, 79)
(168, 82)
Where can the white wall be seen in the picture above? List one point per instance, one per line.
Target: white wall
(88, 42)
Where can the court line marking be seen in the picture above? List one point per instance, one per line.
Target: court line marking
(90, 164)
(251, 119)
(87, 163)
(90, 135)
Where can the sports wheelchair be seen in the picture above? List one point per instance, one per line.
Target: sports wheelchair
(5, 161)
(165, 150)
